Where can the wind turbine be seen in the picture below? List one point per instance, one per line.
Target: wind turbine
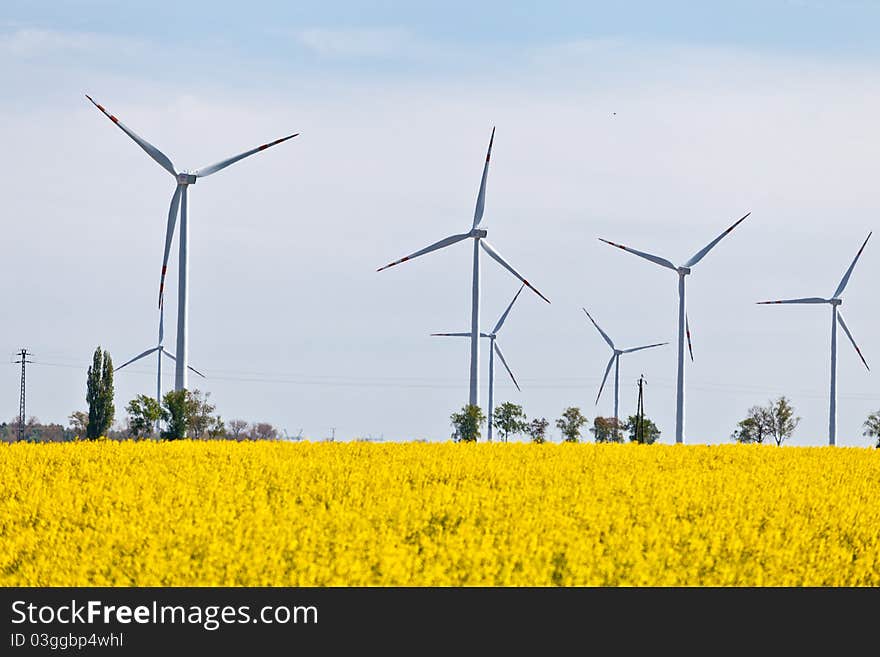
(836, 318)
(160, 348)
(683, 328)
(493, 349)
(178, 202)
(615, 360)
(478, 234)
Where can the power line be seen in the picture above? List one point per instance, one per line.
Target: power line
(23, 359)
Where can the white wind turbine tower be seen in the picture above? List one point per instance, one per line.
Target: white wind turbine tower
(478, 234)
(160, 348)
(836, 318)
(493, 349)
(615, 360)
(683, 329)
(179, 202)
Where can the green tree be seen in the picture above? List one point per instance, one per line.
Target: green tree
(174, 414)
(784, 420)
(200, 414)
(467, 424)
(143, 414)
(872, 427)
(606, 430)
(647, 434)
(776, 420)
(99, 394)
(570, 424)
(537, 430)
(508, 418)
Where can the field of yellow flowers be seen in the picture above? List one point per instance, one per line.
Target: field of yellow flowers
(272, 514)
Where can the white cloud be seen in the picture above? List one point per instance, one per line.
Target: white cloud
(29, 42)
(356, 42)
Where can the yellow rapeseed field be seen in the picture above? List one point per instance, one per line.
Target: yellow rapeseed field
(327, 514)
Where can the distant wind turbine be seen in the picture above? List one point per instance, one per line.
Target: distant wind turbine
(836, 317)
(493, 349)
(683, 328)
(161, 352)
(178, 201)
(478, 234)
(615, 360)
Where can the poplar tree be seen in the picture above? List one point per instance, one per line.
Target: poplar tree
(99, 395)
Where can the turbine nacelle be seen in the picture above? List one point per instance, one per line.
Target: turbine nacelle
(683, 271)
(479, 232)
(835, 302)
(186, 179)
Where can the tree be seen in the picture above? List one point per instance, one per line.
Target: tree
(264, 431)
(174, 414)
(99, 394)
(647, 434)
(537, 430)
(776, 420)
(236, 429)
(79, 422)
(872, 427)
(606, 430)
(508, 418)
(570, 424)
(143, 414)
(199, 414)
(784, 420)
(467, 424)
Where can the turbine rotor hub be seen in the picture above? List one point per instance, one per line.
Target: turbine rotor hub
(684, 271)
(186, 179)
(479, 232)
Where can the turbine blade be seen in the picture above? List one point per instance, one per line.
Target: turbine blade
(702, 252)
(214, 168)
(851, 338)
(803, 300)
(160, 157)
(481, 196)
(687, 328)
(605, 378)
(436, 245)
(849, 271)
(497, 257)
(169, 237)
(663, 262)
(504, 362)
(161, 326)
(453, 335)
(193, 369)
(647, 346)
(598, 328)
(506, 312)
(138, 357)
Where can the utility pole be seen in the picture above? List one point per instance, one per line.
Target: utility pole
(640, 411)
(23, 359)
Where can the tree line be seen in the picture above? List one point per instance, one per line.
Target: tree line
(180, 414)
(774, 422)
(509, 420)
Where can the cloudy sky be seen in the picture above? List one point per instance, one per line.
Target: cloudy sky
(652, 126)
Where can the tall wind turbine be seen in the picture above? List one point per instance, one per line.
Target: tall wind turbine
(479, 236)
(615, 360)
(836, 318)
(178, 202)
(160, 351)
(493, 349)
(683, 328)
